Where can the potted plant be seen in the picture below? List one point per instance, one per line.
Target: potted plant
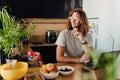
(13, 32)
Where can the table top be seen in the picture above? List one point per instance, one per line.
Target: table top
(80, 73)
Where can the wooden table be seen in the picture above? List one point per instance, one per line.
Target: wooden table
(78, 73)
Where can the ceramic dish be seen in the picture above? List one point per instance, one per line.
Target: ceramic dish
(50, 75)
(65, 70)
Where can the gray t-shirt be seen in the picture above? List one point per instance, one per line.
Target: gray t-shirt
(73, 46)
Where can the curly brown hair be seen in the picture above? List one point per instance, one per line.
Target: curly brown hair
(84, 28)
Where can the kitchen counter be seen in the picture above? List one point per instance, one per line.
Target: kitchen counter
(28, 46)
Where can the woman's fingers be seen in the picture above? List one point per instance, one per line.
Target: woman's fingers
(86, 57)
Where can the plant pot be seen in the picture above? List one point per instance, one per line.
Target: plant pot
(8, 60)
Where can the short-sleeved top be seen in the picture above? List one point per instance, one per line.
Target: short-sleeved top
(73, 46)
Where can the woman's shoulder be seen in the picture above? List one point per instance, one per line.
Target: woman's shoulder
(66, 31)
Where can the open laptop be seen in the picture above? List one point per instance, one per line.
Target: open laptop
(103, 59)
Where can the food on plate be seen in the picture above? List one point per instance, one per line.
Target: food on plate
(44, 68)
(55, 69)
(52, 72)
(65, 69)
(49, 68)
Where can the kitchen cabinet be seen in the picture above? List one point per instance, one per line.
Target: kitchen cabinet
(48, 52)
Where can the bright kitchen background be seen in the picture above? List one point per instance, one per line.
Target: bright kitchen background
(108, 14)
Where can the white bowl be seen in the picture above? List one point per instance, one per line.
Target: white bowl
(50, 75)
(62, 70)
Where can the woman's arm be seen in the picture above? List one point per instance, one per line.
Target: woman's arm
(60, 51)
(86, 45)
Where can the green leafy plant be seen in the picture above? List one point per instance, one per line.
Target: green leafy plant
(13, 31)
(105, 61)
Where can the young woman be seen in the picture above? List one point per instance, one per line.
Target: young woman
(74, 42)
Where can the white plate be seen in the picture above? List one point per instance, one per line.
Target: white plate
(66, 72)
(50, 76)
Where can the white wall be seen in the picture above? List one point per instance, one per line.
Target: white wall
(116, 23)
(108, 28)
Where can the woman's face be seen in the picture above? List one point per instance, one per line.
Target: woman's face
(75, 20)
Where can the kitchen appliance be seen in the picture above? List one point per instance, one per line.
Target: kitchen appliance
(50, 36)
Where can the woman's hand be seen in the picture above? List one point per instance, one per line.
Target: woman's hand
(80, 36)
(85, 58)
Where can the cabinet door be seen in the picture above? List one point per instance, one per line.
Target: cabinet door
(48, 53)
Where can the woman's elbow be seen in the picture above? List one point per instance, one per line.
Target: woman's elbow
(59, 59)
